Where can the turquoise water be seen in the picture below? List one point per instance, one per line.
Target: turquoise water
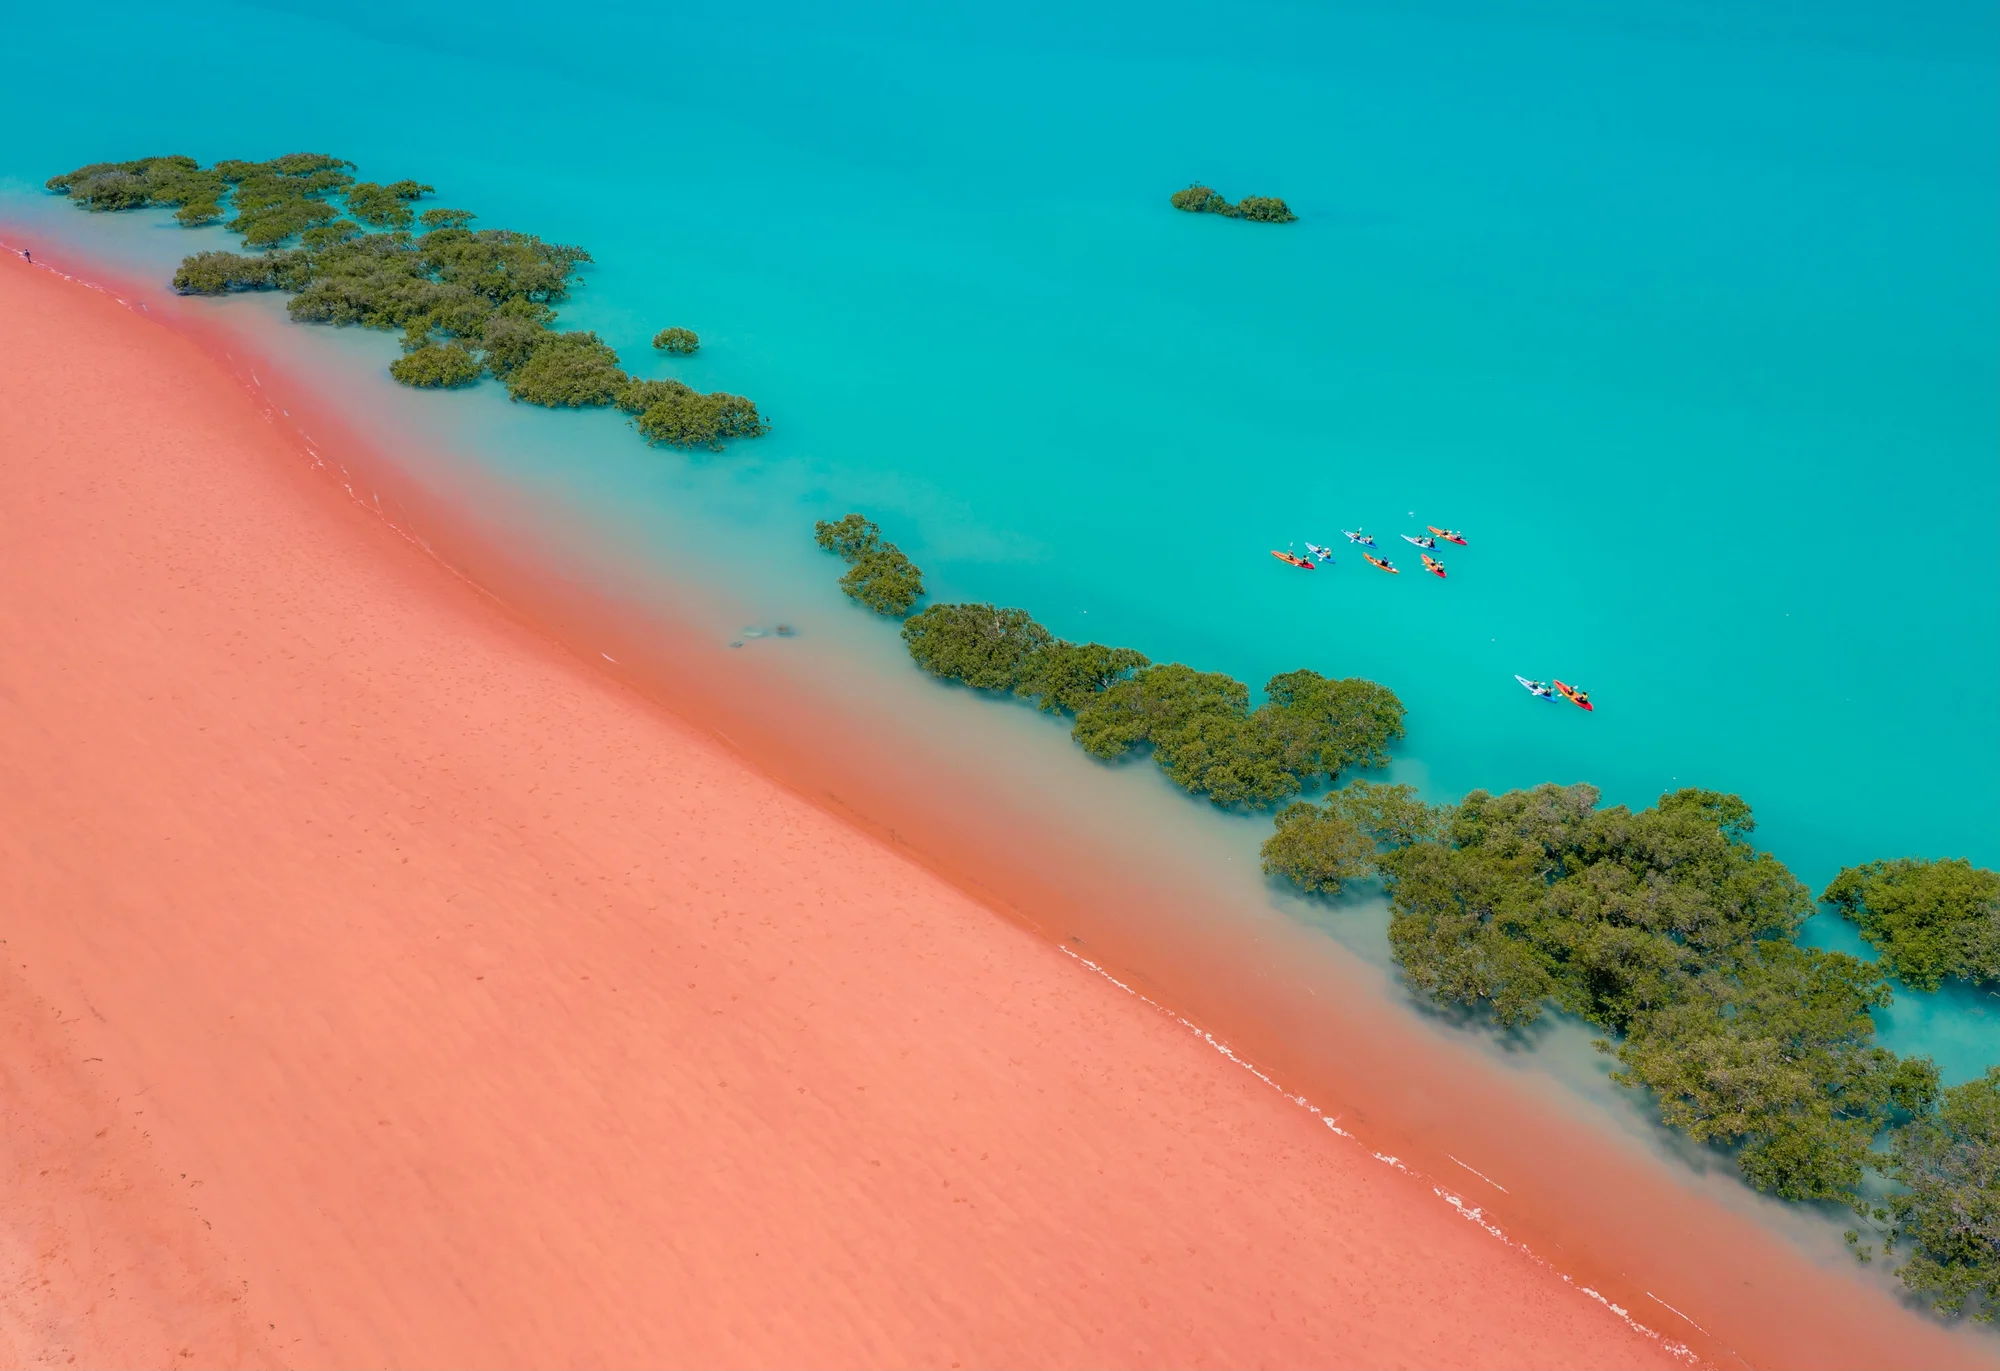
(1690, 319)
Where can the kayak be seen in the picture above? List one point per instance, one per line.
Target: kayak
(1389, 567)
(1448, 535)
(1539, 689)
(1357, 536)
(1420, 542)
(1290, 560)
(1577, 696)
(1325, 554)
(1433, 565)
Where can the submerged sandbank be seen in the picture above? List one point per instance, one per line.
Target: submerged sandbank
(387, 986)
(1620, 1224)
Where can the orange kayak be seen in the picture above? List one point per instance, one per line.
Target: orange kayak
(1448, 535)
(1433, 566)
(1389, 567)
(1290, 560)
(1576, 696)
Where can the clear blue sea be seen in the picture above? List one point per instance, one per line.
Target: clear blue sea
(1689, 318)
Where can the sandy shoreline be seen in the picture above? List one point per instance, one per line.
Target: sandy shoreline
(385, 985)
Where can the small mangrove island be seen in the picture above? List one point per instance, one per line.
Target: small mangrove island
(1262, 209)
(1665, 928)
(470, 303)
(879, 575)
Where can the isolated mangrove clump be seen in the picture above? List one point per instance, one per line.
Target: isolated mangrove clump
(1932, 921)
(884, 580)
(1200, 199)
(437, 366)
(1262, 209)
(879, 575)
(467, 302)
(847, 537)
(678, 415)
(691, 419)
(677, 340)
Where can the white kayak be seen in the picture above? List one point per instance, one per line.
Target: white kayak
(1540, 689)
(1355, 535)
(1325, 554)
(1421, 542)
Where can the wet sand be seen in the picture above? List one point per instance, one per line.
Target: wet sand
(385, 985)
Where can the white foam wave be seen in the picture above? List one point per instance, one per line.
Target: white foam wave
(1471, 1213)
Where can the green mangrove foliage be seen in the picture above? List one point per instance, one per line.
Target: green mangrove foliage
(216, 273)
(879, 575)
(984, 647)
(1931, 921)
(1320, 847)
(1062, 677)
(568, 371)
(1199, 725)
(1208, 740)
(437, 366)
(1263, 209)
(468, 302)
(1774, 1054)
(166, 181)
(678, 340)
(1663, 927)
(386, 206)
(678, 415)
(1948, 1219)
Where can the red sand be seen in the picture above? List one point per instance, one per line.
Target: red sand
(386, 986)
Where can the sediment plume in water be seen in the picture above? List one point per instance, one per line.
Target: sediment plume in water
(1505, 1160)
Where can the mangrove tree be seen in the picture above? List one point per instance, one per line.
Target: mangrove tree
(1932, 921)
(468, 302)
(1262, 209)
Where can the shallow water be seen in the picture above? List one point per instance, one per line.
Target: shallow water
(1688, 319)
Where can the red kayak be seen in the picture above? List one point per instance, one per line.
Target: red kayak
(1290, 560)
(1448, 535)
(1576, 696)
(1433, 565)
